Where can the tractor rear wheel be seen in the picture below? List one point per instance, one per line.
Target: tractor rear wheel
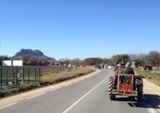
(139, 87)
(139, 97)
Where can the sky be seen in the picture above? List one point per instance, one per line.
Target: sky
(80, 28)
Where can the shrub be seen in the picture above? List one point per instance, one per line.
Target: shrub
(148, 67)
(23, 88)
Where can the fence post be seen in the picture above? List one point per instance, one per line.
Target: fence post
(1, 76)
(7, 74)
(12, 71)
(28, 75)
(16, 76)
(23, 74)
(39, 74)
(35, 73)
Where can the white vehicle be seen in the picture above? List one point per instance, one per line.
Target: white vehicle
(110, 67)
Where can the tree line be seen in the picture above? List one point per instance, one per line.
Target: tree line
(151, 59)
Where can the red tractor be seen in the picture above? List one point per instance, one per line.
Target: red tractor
(125, 84)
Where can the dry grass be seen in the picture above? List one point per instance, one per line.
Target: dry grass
(54, 76)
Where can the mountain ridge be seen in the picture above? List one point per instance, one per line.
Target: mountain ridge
(33, 53)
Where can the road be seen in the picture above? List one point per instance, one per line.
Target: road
(87, 95)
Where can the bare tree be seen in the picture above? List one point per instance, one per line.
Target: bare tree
(42, 60)
(76, 61)
(139, 59)
(65, 62)
(92, 61)
(106, 61)
(134, 56)
(26, 59)
(154, 58)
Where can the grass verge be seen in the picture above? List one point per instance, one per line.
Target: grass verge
(154, 78)
(55, 77)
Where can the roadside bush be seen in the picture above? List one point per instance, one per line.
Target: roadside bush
(148, 67)
(6, 93)
(23, 88)
(28, 87)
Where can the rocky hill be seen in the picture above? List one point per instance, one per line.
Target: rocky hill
(33, 53)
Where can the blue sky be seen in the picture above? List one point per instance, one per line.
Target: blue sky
(80, 28)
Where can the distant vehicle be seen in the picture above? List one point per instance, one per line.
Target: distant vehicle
(110, 67)
(98, 67)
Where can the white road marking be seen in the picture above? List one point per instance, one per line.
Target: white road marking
(84, 96)
(36, 95)
(8, 105)
(55, 89)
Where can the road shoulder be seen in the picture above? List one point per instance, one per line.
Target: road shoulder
(150, 87)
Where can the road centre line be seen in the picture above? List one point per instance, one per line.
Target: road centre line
(36, 95)
(84, 96)
(8, 105)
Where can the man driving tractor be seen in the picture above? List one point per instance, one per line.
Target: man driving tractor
(121, 68)
(124, 69)
(124, 82)
(127, 69)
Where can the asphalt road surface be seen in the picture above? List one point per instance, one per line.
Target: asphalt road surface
(87, 95)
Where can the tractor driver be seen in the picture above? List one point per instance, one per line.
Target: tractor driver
(117, 70)
(127, 69)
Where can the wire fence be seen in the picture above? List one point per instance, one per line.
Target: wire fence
(15, 76)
